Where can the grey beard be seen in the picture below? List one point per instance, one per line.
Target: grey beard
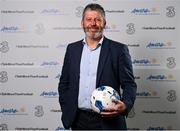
(96, 35)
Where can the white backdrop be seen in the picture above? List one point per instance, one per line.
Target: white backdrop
(33, 38)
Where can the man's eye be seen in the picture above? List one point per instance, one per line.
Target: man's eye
(98, 19)
(88, 19)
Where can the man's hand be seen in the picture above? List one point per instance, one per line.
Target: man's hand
(119, 107)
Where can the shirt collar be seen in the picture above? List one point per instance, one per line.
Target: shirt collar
(99, 43)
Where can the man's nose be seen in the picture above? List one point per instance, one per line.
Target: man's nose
(93, 22)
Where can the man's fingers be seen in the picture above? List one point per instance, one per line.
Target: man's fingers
(115, 101)
(108, 109)
(109, 114)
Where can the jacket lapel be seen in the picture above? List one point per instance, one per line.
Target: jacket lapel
(78, 59)
(102, 59)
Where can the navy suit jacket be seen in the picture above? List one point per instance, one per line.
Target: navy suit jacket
(114, 69)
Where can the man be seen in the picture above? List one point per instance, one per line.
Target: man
(92, 62)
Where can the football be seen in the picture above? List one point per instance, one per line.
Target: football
(102, 98)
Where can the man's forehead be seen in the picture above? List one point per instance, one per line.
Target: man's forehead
(93, 12)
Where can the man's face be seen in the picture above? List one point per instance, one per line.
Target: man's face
(93, 24)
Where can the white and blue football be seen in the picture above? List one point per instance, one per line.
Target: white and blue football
(102, 98)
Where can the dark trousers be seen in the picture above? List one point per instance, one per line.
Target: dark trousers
(87, 120)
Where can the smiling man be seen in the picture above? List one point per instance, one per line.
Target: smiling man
(92, 62)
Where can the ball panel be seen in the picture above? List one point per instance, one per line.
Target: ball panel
(102, 98)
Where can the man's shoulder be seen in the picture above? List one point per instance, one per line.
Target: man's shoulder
(76, 43)
(115, 44)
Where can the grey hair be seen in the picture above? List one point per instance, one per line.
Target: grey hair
(96, 7)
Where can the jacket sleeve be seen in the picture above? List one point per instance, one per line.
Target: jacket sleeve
(127, 80)
(64, 79)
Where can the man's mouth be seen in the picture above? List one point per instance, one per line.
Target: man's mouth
(93, 29)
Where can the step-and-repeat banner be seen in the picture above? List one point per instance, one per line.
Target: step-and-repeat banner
(34, 35)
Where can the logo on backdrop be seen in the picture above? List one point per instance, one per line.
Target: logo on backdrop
(13, 111)
(133, 45)
(111, 28)
(79, 11)
(32, 128)
(14, 29)
(16, 64)
(29, 46)
(50, 11)
(145, 11)
(55, 110)
(3, 127)
(114, 11)
(30, 76)
(171, 62)
(147, 94)
(67, 28)
(39, 111)
(170, 11)
(39, 29)
(171, 95)
(16, 94)
(159, 128)
(146, 62)
(3, 76)
(17, 11)
(49, 94)
(49, 63)
(160, 45)
(10, 29)
(4, 47)
(161, 78)
(131, 29)
(159, 28)
(171, 112)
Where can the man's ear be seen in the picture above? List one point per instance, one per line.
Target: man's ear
(104, 24)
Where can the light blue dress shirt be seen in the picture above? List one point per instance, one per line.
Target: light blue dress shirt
(88, 73)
